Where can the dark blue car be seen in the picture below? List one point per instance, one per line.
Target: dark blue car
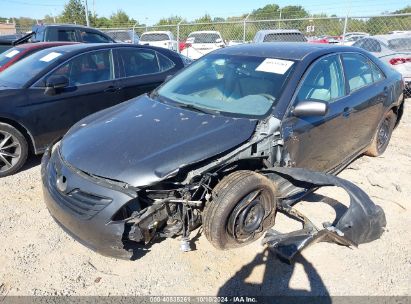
(194, 151)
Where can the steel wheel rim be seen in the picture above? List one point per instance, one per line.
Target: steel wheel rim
(383, 134)
(247, 218)
(10, 151)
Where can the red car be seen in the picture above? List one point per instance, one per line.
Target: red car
(16, 53)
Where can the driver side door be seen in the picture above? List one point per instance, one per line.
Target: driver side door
(320, 143)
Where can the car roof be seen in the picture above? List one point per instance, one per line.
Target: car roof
(205, 32)
(278, 31)
(40, 45)
(81, 47)
(63, 25)
(386, 38)
(156, 32)
(285, 50)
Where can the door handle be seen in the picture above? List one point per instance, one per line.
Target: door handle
(347, 111)
(110, 89)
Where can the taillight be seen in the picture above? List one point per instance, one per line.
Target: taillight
(395, 61)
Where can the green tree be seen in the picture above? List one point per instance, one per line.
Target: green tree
(170, 20)
(270, 11)
(120, 18)
(74, 12)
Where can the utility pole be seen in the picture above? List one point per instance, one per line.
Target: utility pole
(86, 8)
(94, 9)
(279, 21)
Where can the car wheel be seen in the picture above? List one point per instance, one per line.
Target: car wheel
(13, 150)
(243, 207)
(382, 136)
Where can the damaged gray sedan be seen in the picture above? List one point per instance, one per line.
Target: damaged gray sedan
(239, 135)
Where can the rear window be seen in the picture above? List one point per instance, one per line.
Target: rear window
(203, 38)
(290, 37)
(154, 37)
(400, 44)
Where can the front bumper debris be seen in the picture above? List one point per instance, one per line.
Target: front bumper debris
(362, 222)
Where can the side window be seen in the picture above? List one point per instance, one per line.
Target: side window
(66, 35)
(139, 61)
(88, 68)
(377, 75)
(324, 81)
(357, 70)
(90, 37)
(164, 62)
(371, 45)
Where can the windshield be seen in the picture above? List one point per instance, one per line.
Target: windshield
(203, 38)
(9, 55)
(22, 71)
(154, 37)
(234, 85)
(400, 44)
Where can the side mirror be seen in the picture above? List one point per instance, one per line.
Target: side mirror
(54, 83)
(310, 108)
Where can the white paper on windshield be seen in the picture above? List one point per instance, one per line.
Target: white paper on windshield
(12, 53)
(277, 66)
(50, 57)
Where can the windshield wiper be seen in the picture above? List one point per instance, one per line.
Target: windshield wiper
(193, 107)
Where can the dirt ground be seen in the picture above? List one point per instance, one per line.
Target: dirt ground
(38, 258)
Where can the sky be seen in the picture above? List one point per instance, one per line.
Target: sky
(150, 11)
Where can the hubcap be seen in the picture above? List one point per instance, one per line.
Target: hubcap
(383, 134)
(247, 218)
(10, 151)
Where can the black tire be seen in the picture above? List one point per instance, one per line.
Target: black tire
(229, 221)
(13, 150)
(382, 136)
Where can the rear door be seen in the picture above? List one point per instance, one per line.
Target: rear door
(142, 70)
(368, 90)
(320, 142)
(92, 87)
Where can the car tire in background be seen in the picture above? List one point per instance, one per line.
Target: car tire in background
(383, 135)
(243, 207)
(13, 150)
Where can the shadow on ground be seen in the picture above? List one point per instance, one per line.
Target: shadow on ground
(275, 280)
(32, 161)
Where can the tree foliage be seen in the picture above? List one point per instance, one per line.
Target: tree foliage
(74, 12)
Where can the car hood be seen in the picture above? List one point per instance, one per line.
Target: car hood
(142, 141)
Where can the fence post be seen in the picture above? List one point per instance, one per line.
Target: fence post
(178, 36)
(134, 32)
(346, 22)
(244, 27)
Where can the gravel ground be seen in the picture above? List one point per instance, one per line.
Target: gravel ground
(38, 258)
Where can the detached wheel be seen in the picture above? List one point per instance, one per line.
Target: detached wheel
(13, 150)
(382, 136)
(243, 207)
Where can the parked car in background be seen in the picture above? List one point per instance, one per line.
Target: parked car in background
(194, 150)
(164, 39)
(351, 37)
(201, 43)
(394, 50)
(235, 42)
(125, 36)
(279, 36)
(68, 32)
(44, 94)
(21, 51)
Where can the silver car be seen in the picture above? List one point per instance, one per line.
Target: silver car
(394, 50)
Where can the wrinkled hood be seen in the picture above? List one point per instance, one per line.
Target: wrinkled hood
(143, 141)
